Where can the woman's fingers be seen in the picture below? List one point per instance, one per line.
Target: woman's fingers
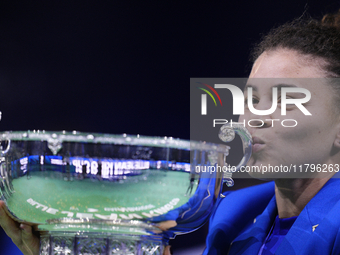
(167, 250)
(8, 224)
(30, 241)
(165, 225)
(21, 234)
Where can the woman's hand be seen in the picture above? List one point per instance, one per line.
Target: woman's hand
(164, 226)
(21, 234)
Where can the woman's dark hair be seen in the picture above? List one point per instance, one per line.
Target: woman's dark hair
(307, 36)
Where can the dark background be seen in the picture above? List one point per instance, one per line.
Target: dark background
(124, 66)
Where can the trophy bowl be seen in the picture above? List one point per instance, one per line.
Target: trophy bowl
(107, 194)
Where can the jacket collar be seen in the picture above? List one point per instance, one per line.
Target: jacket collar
(252, 239)
(311, 218)
(316, 225)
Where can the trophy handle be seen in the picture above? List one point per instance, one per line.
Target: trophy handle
(227, 134)
(4, 149)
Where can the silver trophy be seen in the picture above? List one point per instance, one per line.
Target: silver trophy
(110, 194)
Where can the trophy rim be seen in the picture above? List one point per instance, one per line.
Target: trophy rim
(138, 224)
(113, 139)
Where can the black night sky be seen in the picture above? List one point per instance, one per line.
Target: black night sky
(124, 66)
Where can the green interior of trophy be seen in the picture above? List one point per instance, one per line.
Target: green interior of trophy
(41, 196)
(50, 178)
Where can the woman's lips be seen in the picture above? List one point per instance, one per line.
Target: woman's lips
(258, 144)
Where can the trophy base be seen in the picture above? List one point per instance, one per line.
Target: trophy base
(66, 243)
